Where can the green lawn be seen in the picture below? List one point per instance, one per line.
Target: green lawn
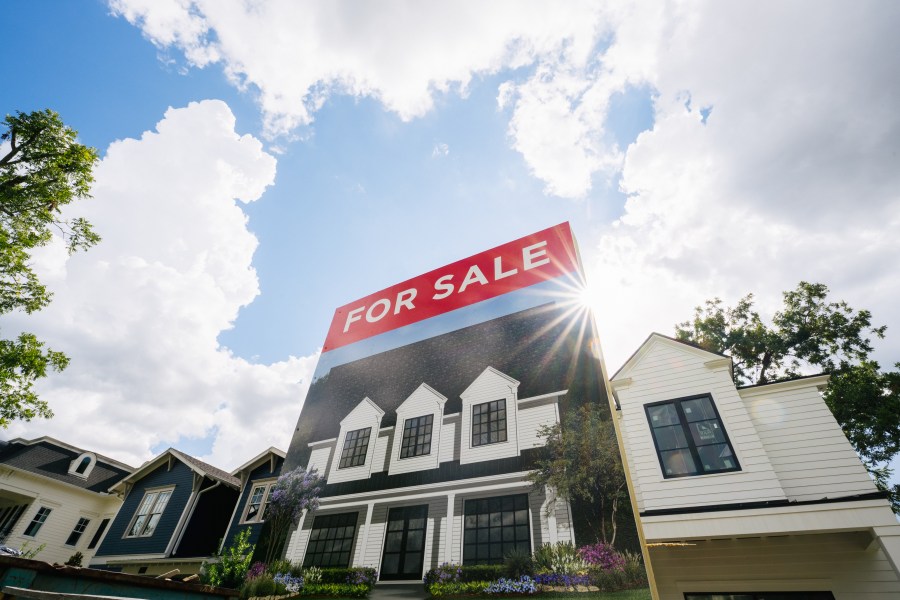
(638, 594)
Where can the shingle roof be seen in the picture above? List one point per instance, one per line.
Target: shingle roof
(206, 468)
(52, 460)
(540, 347)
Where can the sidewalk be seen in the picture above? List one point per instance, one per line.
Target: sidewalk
(398, 591)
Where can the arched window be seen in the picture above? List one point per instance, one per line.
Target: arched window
(83, 465)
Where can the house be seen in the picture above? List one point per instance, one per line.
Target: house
(55, 495)
(256, 477)
(174, 512)
(427, 446)
(751, 491)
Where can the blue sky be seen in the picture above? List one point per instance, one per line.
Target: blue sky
(262, 167)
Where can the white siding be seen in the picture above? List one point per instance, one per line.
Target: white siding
(382, 458)
(318, 458)
(424, 401)
(489, 386)
(67, 505)
(668, 370)
(532, 416)
(843, 563)
(365, 414)
(806, 446)
(450, 438)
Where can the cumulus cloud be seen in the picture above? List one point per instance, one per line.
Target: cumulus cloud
(140, 313)
(791, 175)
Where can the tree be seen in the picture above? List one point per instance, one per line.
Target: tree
(581, 462)
(812, 333)
(293, 493)
(42, 169)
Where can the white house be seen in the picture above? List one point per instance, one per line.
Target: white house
(56, 495)
(748, 492)
(426, 448)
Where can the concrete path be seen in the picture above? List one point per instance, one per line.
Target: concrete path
(398, 591)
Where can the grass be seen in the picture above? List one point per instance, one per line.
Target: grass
(637, 594)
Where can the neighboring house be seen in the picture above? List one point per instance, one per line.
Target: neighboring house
(56, 495)
(175, 511)
(751, 490)
(426, 448)
(256, 476)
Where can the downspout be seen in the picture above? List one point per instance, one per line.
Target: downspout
(195, 498)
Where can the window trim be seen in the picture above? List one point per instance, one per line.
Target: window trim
(267, 485)
(514, 526)
(414, 445)
(76, 464)
(150, 512)
(692, 447)
(347, 517)
(354, 457)
(472, 433)
(38, 520)
(83, 522)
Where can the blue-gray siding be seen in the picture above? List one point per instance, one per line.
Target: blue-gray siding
(261, 472)
(116, 544)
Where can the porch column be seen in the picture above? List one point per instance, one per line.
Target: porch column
(548, 508)
(364, 538)
(448, 528)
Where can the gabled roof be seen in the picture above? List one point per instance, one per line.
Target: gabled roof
(195, 464)
(258, 459)
(658, 337)
(48, 457)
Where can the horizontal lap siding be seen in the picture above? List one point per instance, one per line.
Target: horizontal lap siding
(489, 387)
(531, 418)
(668, 373)
(318, 459)
(116, 544)
(840, 562)
(264, 472)
(382, 458)
(808, 450)
(450, 440)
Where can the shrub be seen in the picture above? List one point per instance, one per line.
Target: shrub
(635, 572)
(523, 585)
(518, 563)
(561, 558)
(366, 576)
(562, 579)
(603, 555)
(454, 588)
(289, 582)
(442, 574)
(344, 590)
(608, 581)
(257, 569)
(262, 585)
(229, 569)
(75, 560)
(312, 575)
(449, 572)
(279, 566)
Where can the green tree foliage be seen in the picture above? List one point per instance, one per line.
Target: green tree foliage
(42, 169)
(811, 333)
(581, 462)
(229, 568)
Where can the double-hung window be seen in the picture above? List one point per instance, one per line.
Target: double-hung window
(416, 436)
(38, 521)
(689, 437)
(489, 423)
(149, 512)
(355, 446)
(258, 502)
(80, 526)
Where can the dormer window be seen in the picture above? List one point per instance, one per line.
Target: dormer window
(416, 436)
(82, 465)
(489, 423)
(355, 446)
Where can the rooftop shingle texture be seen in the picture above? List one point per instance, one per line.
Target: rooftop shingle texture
(48, 459)
(213, 472)
(547, 349)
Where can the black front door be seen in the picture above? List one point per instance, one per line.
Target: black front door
(404, 543)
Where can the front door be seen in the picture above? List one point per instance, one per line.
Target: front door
(404, 543)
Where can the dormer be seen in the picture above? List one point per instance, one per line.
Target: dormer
(417, 435)
(83, 465)
(355, 449)
(489, 418)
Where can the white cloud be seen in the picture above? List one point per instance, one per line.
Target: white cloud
(793, 176)
(140, 313)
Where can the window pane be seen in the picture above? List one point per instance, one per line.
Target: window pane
(339, 531)
(717, 457)
(664, 414)
(678, 462)
(707, 432)
(670, 437)
(356, 443)
(500, 524)
(698, 409)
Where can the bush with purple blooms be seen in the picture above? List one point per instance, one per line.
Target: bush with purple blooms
(603, 555)
(257, 569)
(293, 493)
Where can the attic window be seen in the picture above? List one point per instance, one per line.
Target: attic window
(355, 446)
(83, 465)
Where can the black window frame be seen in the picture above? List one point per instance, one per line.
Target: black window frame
(37, 521)
(417, 434)
(77, 531)
(487, 417)
(97, 534)
(486, 522)
(692, 446)
(354, 452)
(320, 545)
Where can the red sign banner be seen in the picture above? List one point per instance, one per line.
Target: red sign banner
(529, 260)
